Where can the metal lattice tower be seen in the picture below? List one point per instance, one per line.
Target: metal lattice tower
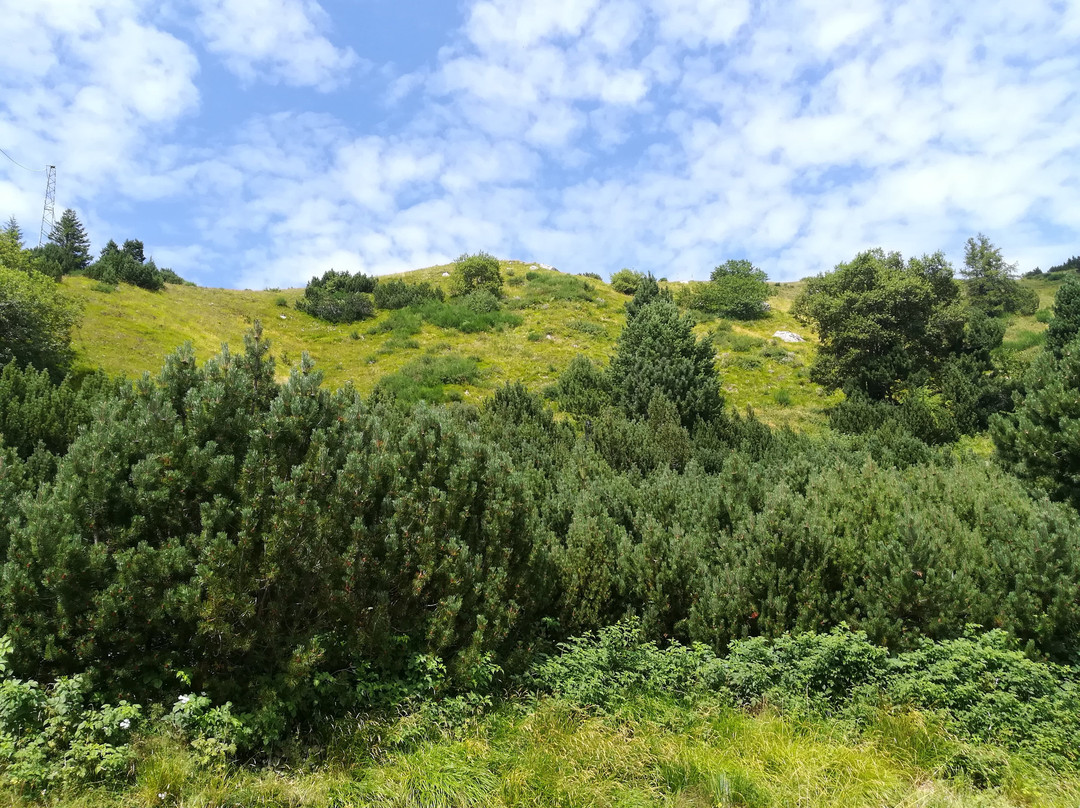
(48, 216)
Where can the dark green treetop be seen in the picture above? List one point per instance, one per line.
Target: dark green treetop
(70, 236)
(657, 352)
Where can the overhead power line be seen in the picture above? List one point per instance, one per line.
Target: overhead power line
(48, 214)
(20, 165)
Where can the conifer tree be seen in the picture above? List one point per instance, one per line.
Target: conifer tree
(1065, 326)
(657, 352)
(1040, 441)
(70, 236)
(14, 233)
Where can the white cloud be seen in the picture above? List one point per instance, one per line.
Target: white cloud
(275, 41)
(86, 86)
(663, 134)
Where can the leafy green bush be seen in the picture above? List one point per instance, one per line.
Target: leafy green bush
(50, 737)
(127, 264)
(36, 319)
(168, 276)
(482, 301)
(626, 281)
(983, 687)
(401, 322)
(611, 666)
(583, 389)
(882, 320)
(736, 289)
(472, 273)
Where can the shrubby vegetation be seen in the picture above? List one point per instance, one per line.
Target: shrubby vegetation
(474, 273)
(991, 282)
(626, 281)
(128, 264)
(736, 289)
(339, 297)
(396, 294)
(235, 563)
(35, 320)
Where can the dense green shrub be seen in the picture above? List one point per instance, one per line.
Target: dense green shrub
(339, 297)
(1038, 442)
(168, 276)
(472, 273)
(1065, 325)
(882, 320)
(36, 412)
(735, 289)
(396, 294)
(648, 290)
(36, 320)
(983, 687)
(991, 285)
(583, 389)
(626, 281)
(657, 352)
(50, 738)
(127, 264)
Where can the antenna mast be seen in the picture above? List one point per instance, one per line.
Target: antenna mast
(48, 215)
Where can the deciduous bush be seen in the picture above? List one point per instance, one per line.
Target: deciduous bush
(477, 272)
(626, 281)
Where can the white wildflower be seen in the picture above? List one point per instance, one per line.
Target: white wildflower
(125, 723)
(184, 699)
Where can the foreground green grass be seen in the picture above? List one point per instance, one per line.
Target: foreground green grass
(650, 753)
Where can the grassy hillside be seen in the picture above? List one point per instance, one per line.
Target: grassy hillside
(129, 331)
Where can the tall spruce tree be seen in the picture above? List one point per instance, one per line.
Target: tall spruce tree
(991, 281)
(70, 236)
(14, 233)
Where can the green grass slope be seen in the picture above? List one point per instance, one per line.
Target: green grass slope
(653, 753)
(130, 331)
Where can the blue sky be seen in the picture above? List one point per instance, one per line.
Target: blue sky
(254, 143)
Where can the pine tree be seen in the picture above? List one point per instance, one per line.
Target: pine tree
(1065, 326)
(1040, 442)
(991, 281)
(14, 233)
(134, 249)
(657, 352)
(71, 237)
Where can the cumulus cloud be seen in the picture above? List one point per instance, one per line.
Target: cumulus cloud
(86, 86)
(668, 135)
(275, 41)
